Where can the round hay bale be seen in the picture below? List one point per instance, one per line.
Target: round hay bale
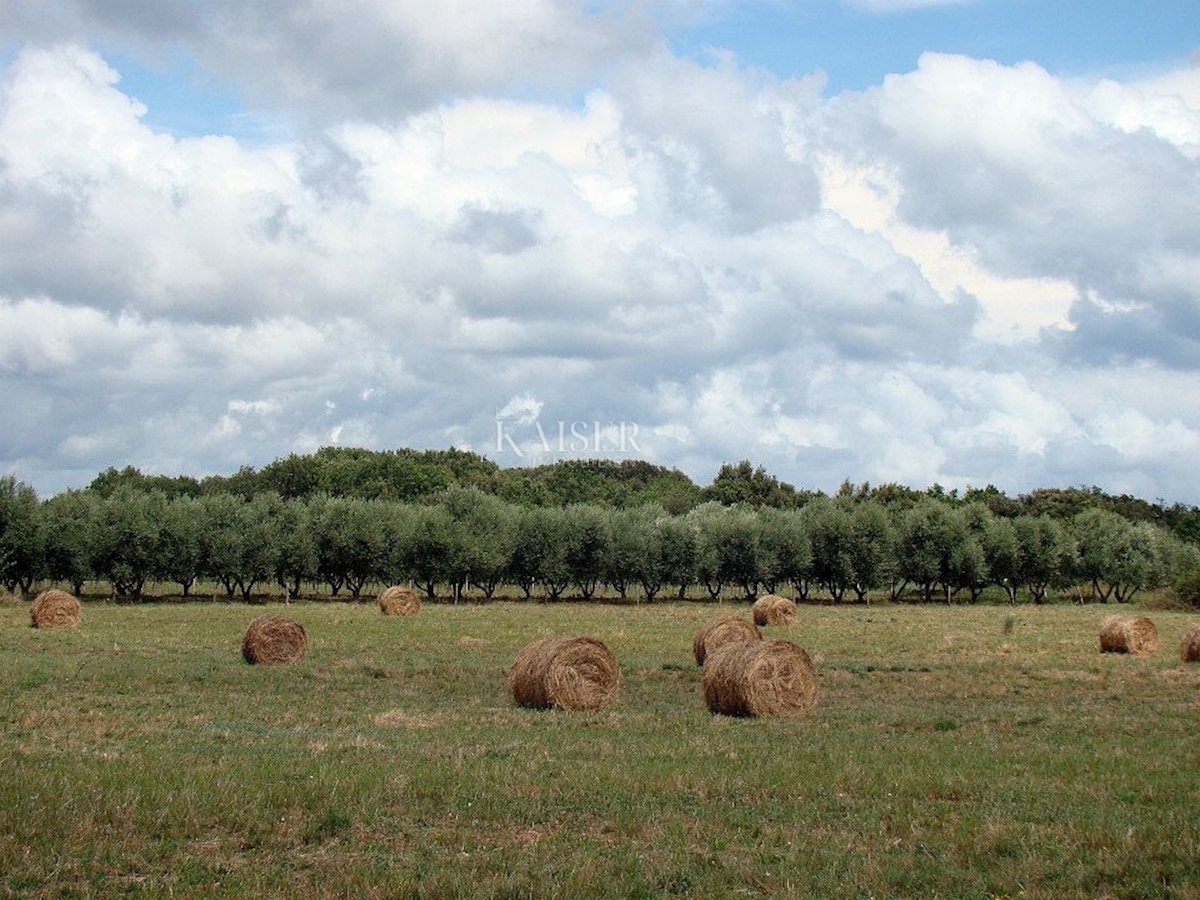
(722, 631)
(1189, 650)
(399, 601)
(764, 678)
(274, 639)
(1128, 634)
(565, 673)
(55, 609)
(771, 609)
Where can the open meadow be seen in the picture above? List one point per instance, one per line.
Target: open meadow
(978, 751)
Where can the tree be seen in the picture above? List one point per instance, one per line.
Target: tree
(126, 543)
(1002, 554)
(729, 548)
(258, 541)
(485, 525)
(434, 544)
(643, 537)
(621, 563)
(589, 542)
(352, 542)
(1100, 538)
(745, 484)
(831, 531)
(679, 542)
(181, 549)
(295, 560)
(540, 552)
(220, 539)
(785, 546)
(969, 569)
(1046, 554)
(927, 539)
(871, 554)
(1142, 562)
(67, 522)
(20, 535)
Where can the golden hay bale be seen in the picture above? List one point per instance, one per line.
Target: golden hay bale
(771, 609)
(399, 601)
(55, 609)
(1128, 634)
(274, 639)
(1189, 650)
(566, 673)
(722, 631)
(764, 678)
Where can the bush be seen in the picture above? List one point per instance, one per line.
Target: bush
(1187, 588)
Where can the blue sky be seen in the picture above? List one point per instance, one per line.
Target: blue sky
(856, 48)
(969, 255)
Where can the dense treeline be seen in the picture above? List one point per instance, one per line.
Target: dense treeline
(420, 476)
(860, 543)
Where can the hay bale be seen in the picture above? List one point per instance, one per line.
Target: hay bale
(399, 601)
(722, 631)
(274, 639)
(1128, 634)
(1189, 650)
(565, 673)
(764, 678)
(55, 609)
(771, 609)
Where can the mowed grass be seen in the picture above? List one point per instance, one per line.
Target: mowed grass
(955, 752)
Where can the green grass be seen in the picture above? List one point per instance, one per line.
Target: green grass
(955, 752)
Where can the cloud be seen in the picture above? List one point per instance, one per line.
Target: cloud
(1037, 186)
(883, 286)
(382, 59)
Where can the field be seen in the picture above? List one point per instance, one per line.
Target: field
(955, 752)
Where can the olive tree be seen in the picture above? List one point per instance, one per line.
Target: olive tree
(589, 534)
(67, 522)
(181, 547)
(20, 535)
(126, 541)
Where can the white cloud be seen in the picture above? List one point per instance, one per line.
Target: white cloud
(882, 286)
(380, 58)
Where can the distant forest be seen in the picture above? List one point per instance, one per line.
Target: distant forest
(421, 476)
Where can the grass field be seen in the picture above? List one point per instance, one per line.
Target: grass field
(955, 752)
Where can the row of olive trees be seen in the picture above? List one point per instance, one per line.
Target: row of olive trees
(843, 547)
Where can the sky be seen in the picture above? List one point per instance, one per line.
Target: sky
(911, 241)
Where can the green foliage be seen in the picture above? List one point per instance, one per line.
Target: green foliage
(181, 542)
(487, 535)
(20, 534)
(1046, 554)
(786, 546)
(928, 547)
(351, 517)
(126, 539)
(729, 548)
(67, 520)
(589, 544)
(744, 483)
(830, 528)
(1187, 588)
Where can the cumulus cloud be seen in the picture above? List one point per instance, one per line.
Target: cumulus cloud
(1011, 163)
(380, 58)
(884, 285)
